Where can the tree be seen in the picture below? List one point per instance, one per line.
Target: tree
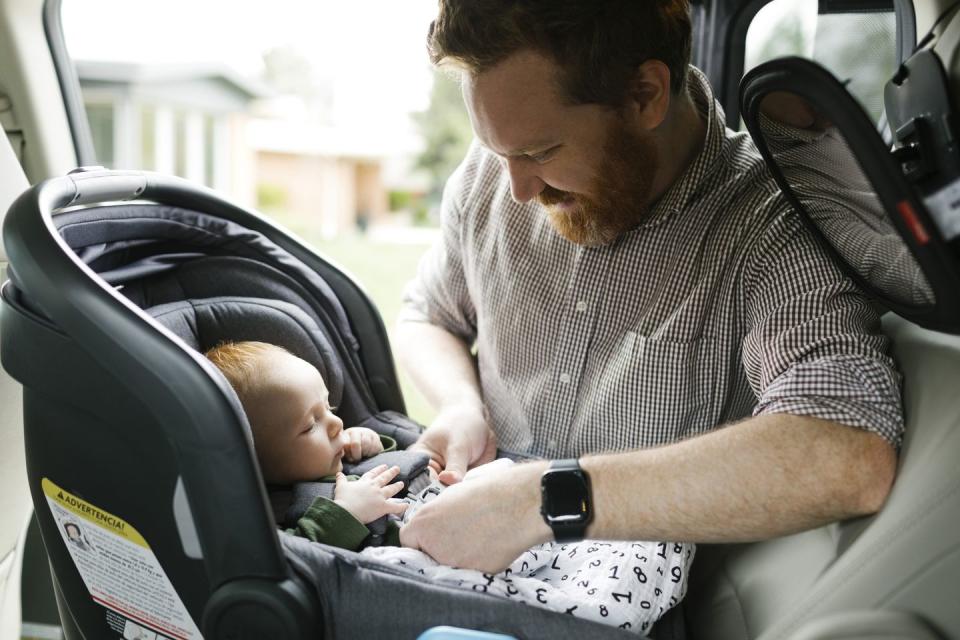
(787, 38)
(290, 72)
(857, 48)
(860, 50)
(446, 131)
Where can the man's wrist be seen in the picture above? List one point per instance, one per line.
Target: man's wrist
(533, 523)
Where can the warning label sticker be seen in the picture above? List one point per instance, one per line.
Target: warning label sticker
(119, 569)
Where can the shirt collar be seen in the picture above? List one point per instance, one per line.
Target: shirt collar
(676, 197)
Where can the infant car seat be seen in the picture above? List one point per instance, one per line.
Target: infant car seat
(139, 459)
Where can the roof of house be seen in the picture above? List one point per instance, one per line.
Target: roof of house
(152, 74)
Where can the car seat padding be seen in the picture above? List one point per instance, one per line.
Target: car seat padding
(205, 323)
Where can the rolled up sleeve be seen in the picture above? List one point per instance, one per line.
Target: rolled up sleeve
(813, 345)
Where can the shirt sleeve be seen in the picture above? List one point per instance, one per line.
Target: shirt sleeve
(327, 522)
(392, 537)
(813, 345)
(439, 293)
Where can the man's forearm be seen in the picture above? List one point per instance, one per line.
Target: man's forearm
(761, 478)
(764, 477)
(440, 364)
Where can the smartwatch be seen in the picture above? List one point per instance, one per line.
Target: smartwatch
(565, 501)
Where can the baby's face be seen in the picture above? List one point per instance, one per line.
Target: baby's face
(296, 435)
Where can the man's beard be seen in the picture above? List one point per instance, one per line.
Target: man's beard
(623, 186)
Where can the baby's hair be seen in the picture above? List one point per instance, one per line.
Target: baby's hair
(240, 362)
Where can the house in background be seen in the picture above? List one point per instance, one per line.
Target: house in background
(330, 177)
(187, 120)
(209, 125)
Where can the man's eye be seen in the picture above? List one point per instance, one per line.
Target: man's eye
(543, 156)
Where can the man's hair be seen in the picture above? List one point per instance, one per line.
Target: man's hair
(240, 362)
(598, 44)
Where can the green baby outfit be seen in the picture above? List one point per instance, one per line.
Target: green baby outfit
(307, 509)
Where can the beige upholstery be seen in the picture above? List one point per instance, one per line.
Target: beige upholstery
(14, 496)
(906, 558)
(12, 184)
(866, 625)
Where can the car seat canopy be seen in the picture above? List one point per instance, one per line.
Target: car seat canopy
(209, 280)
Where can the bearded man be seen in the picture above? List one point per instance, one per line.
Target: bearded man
(621, 284)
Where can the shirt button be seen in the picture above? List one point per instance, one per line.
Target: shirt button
(581, 306)
(564, 378)
(552, 444)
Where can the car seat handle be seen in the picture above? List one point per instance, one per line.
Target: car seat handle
(96, 184)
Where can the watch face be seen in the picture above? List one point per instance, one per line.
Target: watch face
(565, 497)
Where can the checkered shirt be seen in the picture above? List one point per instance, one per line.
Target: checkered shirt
(720, 305)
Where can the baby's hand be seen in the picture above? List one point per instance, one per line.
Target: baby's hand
(361, 443)
(369, 497)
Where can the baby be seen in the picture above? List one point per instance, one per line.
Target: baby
(298, 438)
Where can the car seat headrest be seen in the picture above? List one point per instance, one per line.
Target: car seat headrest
(205, 323)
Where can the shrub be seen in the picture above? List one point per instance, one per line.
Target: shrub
(271, 196)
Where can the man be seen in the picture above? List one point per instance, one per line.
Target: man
(632, 283)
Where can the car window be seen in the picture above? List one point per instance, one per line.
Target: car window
(858, 46)
(327, 117)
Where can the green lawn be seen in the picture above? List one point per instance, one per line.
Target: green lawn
(382, 269)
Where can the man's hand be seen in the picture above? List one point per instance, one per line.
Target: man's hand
(361, 443)
(369, 497)
(484, 524)
(458, 439)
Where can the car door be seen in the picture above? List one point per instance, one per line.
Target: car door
(35, 144)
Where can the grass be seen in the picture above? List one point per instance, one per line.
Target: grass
(382, 268)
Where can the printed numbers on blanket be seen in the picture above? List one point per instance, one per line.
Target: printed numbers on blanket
(622, 584)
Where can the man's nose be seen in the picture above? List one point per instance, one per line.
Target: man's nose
(525, 184)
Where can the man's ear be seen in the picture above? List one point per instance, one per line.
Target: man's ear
(648, 95)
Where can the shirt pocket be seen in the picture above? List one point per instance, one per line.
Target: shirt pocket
(651, 392)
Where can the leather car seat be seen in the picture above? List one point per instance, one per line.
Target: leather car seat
(905, 558)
